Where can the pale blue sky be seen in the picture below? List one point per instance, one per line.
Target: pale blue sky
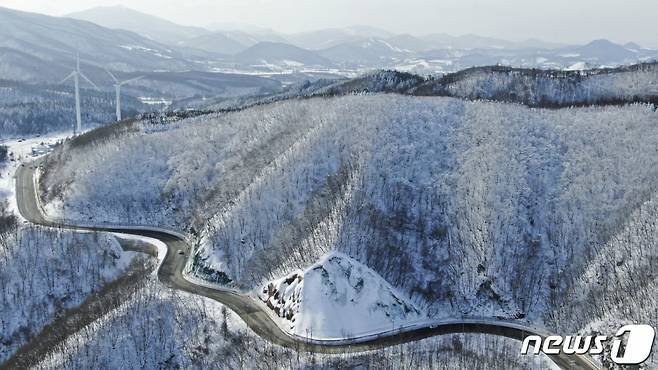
(573, 21)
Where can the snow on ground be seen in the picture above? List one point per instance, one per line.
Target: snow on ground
(337, 298)
(580, 66)
(146, 242)
(20, 151)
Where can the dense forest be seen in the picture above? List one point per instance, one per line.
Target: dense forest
(469, 208)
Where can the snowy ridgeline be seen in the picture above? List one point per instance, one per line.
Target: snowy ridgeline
(44, 272)
(548, 88)
(466, 208)
(533, 87)
(169, 329)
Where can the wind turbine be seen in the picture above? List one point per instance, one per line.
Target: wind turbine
(117, 87)
(76, 74)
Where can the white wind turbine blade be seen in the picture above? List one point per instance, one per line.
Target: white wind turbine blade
(88, 80)
(111, 75)
(67, 78)
(131, 80)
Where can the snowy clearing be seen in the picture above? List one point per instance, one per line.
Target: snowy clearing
(338, 298)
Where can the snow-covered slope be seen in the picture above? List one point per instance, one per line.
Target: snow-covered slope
(466, 208)
(162, 328)
(336, 298)
(548, 88)
(44, 272)
(538, 88)
(618, 285)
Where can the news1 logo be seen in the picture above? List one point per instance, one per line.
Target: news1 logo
(636, 350)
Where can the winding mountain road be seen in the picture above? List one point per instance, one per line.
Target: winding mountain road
(254, 315)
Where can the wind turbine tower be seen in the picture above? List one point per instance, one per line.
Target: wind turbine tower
(117, 87)
(76, 74)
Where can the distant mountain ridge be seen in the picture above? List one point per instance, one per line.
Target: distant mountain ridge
(348, 51)
(360, 48)
(279, 53)
(606, 50)
(52, 44)
(216, 42)
(154, 28)
(119, 17)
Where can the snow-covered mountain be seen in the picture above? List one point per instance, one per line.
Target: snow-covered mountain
(37, 51)
(346, 50)
(216, 42)
(253, 37)
(149, 26)
(51, 43)
(636, 83)
(326, 38)
(371, 53)
(280, 54)
(443, 54)
(464, 42)
(445, 41)
(538, 88)
(599, 53)
(605, 52)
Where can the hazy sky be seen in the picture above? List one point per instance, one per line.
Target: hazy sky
(574, 21)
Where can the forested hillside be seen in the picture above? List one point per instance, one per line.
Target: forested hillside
(44, 272)
(29, 109)
(636, 83)
(468, 208)
(532, 87)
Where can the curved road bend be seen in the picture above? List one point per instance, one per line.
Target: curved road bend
(171, 274)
